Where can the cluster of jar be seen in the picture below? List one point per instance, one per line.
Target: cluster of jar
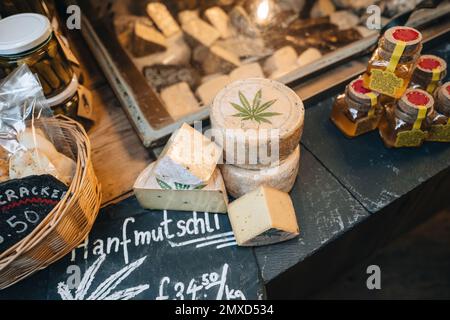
(401, 94)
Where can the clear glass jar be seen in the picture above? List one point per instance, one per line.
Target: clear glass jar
(67, 102)
(407, 122)
(428, 73)
(392, 64)
(440, 127)
(358, 111)
(28, 39)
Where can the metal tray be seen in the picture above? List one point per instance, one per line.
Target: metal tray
(142, 103)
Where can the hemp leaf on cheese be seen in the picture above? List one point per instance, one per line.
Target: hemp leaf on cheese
(255, 111)
(178, 186)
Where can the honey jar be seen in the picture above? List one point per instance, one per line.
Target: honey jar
(407, 122)
(440, 127)
(27, 38)
(357, 111)
(428, 73)
(392, 64)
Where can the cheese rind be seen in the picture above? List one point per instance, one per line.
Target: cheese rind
(189, 159)
(263, 217)
(179, 100)
(240, 181)
(212, 198)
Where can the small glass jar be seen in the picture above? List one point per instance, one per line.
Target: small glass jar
(28, 39)
(428, 73)
(407, 122)
(67, 102)
(358, 111)
(391, 66)
(440, 127)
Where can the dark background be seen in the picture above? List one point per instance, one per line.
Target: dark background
(414, 266)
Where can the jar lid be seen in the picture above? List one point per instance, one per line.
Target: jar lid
(395, 35)
(358, 93)
(430, 67)
(67, 94)
(415, 99)
(22, 32)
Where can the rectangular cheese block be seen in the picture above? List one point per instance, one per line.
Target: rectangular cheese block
(282, 61)
(208, 90)
(189, 159)
(187, 15)
(263, 217)
(251, 70)
(147, 40)
(179, 100)
(161, 16)
(152, 194)
(201, 31)
(220, 20)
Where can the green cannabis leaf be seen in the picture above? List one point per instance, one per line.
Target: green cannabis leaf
(256, 110)
(163, 184)
(178, 186)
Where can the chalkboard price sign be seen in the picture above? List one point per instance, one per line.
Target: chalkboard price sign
(24, 204)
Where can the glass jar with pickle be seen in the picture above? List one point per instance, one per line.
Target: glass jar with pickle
(407, 122)
(391, 66)
(428, 73)
(357, 111)
(28, 38)
(440, 127)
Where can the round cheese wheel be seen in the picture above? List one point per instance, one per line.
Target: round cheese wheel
(239, 181)
(252, 119)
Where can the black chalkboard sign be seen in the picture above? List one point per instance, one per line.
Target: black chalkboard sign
(24, 203)
(132, 253)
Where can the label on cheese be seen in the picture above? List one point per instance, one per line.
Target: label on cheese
(152, 193)
(257, 121)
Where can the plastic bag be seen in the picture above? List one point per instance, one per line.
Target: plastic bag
(27, 146)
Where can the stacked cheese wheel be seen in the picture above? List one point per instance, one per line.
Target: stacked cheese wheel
(259, 124)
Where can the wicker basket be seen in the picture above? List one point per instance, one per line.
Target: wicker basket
(70, 221)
